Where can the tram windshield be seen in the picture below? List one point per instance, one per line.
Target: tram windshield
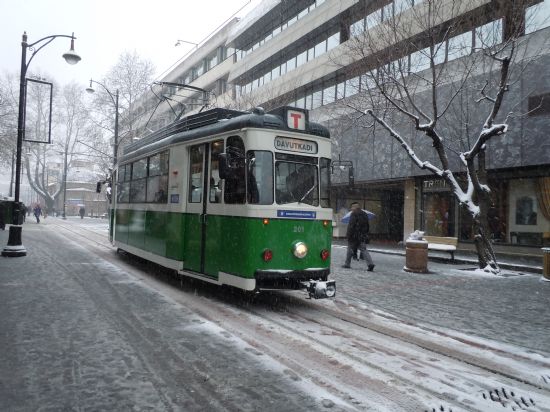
(296, 182)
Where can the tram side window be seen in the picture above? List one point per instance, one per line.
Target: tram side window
(196, 164)
(324, 169)
(123, 186)
(157, 182)
(215, 182)
(260, 177)
(234, 186)
(138, 183)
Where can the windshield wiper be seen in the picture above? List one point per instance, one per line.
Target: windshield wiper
(308, 192)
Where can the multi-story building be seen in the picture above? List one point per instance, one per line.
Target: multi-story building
(298, 53)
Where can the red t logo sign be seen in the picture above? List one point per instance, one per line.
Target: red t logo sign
(296, 117)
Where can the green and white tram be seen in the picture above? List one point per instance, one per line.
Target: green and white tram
(233, 198)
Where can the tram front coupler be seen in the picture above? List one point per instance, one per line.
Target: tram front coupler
(320, 289)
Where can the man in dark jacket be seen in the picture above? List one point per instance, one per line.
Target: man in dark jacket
(358, 236)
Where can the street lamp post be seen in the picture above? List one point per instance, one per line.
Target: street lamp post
(114, 99)
(15, 247)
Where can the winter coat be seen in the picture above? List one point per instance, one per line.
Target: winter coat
(358, 227)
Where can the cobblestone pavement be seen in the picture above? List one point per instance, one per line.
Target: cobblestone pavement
(77, 333)
(510, 309)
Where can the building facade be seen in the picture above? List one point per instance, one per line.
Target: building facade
(298, 53)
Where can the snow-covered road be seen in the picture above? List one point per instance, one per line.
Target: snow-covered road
(339, 354)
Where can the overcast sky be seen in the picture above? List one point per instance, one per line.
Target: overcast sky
(106, 28)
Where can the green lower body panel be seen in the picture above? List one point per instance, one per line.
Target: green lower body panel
(232, 245)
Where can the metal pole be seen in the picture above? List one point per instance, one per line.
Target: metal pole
(12, 170)
(115, 149)
(65, 185)
(15, 246)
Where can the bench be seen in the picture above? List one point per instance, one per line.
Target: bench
(442, 244)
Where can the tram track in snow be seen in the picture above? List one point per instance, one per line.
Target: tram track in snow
(364, 359)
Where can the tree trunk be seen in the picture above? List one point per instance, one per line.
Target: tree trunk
(485, 253)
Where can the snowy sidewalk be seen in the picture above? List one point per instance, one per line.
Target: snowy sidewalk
(521, 262)
(512, 309)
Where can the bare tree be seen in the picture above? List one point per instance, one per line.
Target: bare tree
(131, 76)
(70, 121)
(8, 118)
(430, 76)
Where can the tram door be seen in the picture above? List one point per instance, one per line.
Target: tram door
(204, 205)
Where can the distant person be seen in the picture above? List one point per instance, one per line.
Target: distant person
(37, 212)
(358, 236)
(82, 212)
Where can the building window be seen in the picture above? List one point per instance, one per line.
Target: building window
(489, 34)
(459, 46)
(333, 41)
(317, 99)
(373, 19)
(537, 17)
(301, 59)
(329, 95)
(357, 28)
(291, 64)
(539, 105)
(352, 86)
(320, 48)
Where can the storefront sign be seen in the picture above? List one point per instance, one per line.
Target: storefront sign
(434, 185)
(295, 145)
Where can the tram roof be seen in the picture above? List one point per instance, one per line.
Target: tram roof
(217, 121)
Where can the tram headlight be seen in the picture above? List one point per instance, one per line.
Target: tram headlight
(300, 250)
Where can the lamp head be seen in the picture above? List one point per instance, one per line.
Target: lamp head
(90, 89)
(71, 57)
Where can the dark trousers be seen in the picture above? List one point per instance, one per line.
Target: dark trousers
(354, 247)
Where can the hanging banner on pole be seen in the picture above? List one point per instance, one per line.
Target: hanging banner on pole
(37, 122)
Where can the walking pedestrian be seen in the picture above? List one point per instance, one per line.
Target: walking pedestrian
(82, 212)
(358, 236)
(37, 212)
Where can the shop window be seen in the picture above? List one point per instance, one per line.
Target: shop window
(438, 214)
(235, 187)
(526, 210)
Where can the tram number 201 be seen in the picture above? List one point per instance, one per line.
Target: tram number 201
(298, 229)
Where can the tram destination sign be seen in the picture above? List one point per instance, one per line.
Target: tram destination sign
(297, 214)
(295, 145)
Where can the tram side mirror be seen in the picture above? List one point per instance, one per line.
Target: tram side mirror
(225, 169)
(98, 187)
